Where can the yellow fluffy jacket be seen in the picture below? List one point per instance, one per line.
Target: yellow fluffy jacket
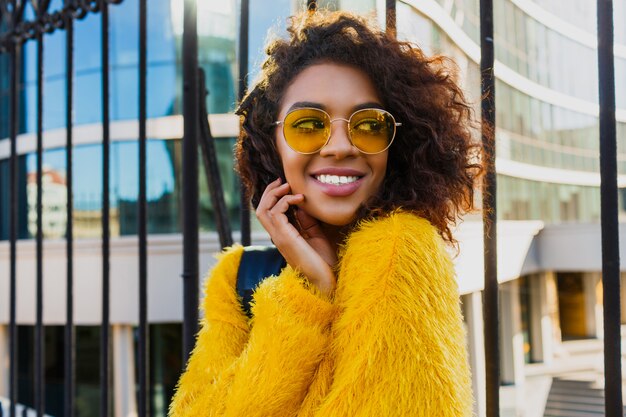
(390, 343)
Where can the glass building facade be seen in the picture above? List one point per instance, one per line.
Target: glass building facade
(546, 98)
(546, 120)
(217, 47)
(533, 127)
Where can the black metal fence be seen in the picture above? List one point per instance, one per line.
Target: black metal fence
(15, 31)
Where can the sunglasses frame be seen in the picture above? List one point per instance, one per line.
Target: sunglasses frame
(395, 125)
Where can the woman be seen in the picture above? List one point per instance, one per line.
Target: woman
(358, 153)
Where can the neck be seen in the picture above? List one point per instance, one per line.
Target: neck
(335, 234)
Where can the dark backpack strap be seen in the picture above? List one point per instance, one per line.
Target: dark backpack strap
(257, 263)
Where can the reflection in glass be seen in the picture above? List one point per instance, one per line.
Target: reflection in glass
(54, 203)
(164, 178)
(165, 364)
(521, 199)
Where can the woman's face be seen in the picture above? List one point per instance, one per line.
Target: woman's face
(339, 90)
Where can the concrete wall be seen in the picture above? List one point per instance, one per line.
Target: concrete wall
(574, 247)
(165, 286)
(523, 248)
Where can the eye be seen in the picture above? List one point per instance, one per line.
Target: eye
(308, 124)
(372, 126)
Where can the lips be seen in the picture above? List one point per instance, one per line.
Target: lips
(335, 179)
(346, 172)
(338, 182)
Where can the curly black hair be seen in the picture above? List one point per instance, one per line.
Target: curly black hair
(435, 160)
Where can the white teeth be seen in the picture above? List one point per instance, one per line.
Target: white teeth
(335, 179)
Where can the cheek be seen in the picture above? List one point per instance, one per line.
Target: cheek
(379, 168)
(294, 168)
(283, 156)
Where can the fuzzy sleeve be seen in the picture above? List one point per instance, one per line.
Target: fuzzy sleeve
(258, 368)
(223, 334)
(400, 342)
(290, 333)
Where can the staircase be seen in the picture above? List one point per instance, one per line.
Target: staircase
(569, 398)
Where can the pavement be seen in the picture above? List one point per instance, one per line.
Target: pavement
(576, 376)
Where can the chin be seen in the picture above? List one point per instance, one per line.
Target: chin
(340, 222)
(337, 219)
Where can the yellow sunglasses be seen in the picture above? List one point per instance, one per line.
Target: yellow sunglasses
(307, 130)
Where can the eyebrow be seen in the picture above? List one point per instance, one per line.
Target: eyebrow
(303, 104)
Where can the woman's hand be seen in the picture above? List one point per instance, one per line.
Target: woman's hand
(307, 250)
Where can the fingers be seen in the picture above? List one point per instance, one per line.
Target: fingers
(310, 253)
(283, 204)
(305, 220)
(270, 196)
(274, 203)
(309, 225)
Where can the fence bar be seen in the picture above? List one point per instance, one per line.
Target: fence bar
(390, 18)
(105, 327)
(211, 169)
(70, 341)
(15, 79)
(142, 365)
(244, 33)
(610, 230)
(190, 177)
(39, 330)
(490, 295)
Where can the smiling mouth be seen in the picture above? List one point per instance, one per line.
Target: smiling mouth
(336, 179)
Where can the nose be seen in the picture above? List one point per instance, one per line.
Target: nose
(339, 145)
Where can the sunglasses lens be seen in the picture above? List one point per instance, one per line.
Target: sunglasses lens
(306, 130)
(372, 130)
